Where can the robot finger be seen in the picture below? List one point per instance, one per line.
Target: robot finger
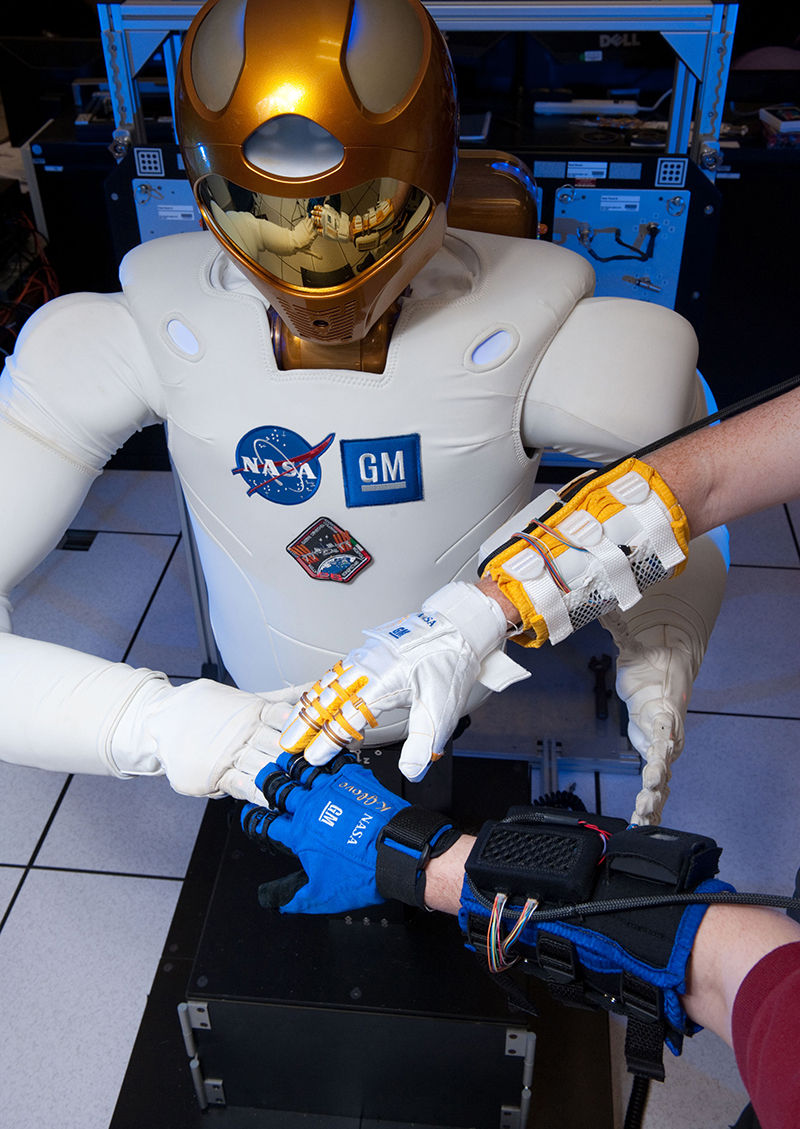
(332, 708)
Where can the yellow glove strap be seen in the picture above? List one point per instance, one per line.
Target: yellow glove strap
(596, 499)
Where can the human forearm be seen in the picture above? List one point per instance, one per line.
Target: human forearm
(736, 468)
(444, 876)
(731, 940)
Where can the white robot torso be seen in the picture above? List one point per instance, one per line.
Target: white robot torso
(406, 460)
(325, 501)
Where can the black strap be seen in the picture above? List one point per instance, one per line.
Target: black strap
(556, 955)
(644, 1048)
(404, 850)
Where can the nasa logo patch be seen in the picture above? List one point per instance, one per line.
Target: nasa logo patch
(328, 552)
(280, 465)
(381, 472)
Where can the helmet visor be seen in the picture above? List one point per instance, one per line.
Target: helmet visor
(319, 242)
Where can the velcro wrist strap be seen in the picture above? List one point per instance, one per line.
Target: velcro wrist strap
(474, 615)
(406, 844)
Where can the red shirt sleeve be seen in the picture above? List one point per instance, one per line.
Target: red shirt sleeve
(766, 1037)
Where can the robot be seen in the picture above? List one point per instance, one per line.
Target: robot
(356, 398)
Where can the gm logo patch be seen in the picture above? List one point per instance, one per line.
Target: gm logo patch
(280, 465)
(382, 472)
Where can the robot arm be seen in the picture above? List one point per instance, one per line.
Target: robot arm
(619, 375)
(255, 235)
(61, 709)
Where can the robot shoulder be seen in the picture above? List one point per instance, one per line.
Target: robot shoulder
(618, 374)
(171, 257)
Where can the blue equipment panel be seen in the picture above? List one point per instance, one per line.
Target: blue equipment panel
(164, 207)
(646, 222)
(633, 237)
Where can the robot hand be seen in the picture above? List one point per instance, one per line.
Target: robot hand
(210, 740)
(304, 233)
(595, 546)
(331, 224)
(655, 672)
(426, 663)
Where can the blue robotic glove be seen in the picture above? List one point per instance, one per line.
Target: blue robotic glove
(356, 841)
(561, 893)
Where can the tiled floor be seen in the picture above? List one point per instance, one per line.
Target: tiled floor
(90, 868)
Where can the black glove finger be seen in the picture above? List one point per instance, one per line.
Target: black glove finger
(332, 767)
(304, 773)
(256, 823)
(277, 788)
(273, 895)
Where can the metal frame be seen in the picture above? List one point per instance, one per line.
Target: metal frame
(700, 34)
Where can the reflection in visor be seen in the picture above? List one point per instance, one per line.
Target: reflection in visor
(318, 242)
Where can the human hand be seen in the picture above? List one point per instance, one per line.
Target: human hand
(426, 663)
(304, 233)
(329, 818)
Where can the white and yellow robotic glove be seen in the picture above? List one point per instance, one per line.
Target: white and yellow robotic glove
(426, 663)
(572, 556)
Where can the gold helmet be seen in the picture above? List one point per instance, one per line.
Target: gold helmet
(320, 139)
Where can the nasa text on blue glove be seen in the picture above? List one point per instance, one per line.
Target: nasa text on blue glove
(330, 820)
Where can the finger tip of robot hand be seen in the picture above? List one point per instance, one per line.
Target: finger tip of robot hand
(413, 771)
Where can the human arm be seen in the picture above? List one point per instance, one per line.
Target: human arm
(742, 982)
(727, 471)
(737, 467)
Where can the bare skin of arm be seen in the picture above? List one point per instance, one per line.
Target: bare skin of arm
(746, 464)
(722, 473)
(730, 941)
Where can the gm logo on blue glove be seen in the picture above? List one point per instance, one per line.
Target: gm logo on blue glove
(329, 819)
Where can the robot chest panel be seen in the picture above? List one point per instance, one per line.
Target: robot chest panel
(388, 464)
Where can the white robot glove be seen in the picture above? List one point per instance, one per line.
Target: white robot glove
(570, 557)
(661, 647)
(303, 233)
(426, 663)
(655, 672)
(211, 740)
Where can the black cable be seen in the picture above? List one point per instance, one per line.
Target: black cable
(639, 255)
(724, 413)
(637, 1102)
(619, 905)
(652, 901)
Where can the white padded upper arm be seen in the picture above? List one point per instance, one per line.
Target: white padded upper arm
(79, 383)
(619, 374)
(81, 377)
(42, 491)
